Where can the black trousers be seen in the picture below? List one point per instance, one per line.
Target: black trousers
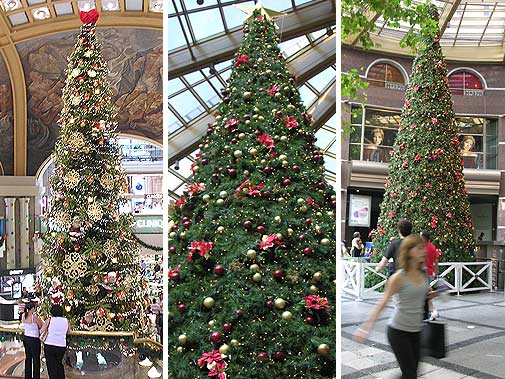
(407, 349)
(32, 357)
(54, 361)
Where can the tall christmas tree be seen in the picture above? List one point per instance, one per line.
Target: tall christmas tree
(90, 255)
(252, 252)
(426, 183)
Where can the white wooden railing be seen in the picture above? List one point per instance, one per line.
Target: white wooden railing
(354, 273)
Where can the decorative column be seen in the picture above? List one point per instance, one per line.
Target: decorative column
(500, 221)
(10, 232)
(24, 231)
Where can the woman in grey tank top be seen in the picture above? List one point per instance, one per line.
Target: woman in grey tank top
(410, 287)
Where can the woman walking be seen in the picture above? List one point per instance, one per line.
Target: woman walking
(55, 344)
(411, 287)
(32, 324)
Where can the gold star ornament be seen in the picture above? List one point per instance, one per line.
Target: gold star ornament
(265, 12)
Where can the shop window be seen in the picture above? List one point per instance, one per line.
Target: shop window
(466, 84)
(386, 75)
(374, 132)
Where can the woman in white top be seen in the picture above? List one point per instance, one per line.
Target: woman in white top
(32, 324)
(55, 344)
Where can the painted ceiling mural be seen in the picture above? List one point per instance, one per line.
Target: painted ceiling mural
(135, 62)
(6, 122)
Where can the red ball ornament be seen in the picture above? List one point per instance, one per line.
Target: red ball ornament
(232, 172)
(172, 250)
(260, 229)
(219, 270)
(257, 132)
(266, 194)
(286, 182)
(269, 303)
(278, 113)
(175, 277)
(262, 356)
(216, 338)
(182, 308)
(279, 356)
(205, 162)
(267, 170)
(307, 251)
(248, 224)
(301, 237)
(226, 100)
(186, 224)
(247, 117)
(296, 168)
(278, 274)
(227, 327)
(308, 221)
(309, 320)
(239, 313)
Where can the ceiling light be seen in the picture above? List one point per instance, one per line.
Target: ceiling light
(41, 13)
(86, 5)
(156, 5)
(110, 5)
(10, 5)
(199, 2)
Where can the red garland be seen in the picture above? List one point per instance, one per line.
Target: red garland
(90, 17)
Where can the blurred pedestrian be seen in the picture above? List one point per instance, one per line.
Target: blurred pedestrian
(389, 257)
(32, 324)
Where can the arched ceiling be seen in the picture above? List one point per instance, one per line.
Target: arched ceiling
(199, 63)
(25, 20)
(471, 31)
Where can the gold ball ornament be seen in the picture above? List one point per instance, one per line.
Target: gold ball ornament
(277, 219)
(234, 342)
(224, 349)
(325, 242)
(211, 322)
(254, 267)
(219, 202)
(257, 277)
(241, 136)
(323, 349)
(220, 229)
(208, 302)
(183, 235)
(251, 254)
(183, 339)
(285, 163)
(304, 208)
(284, 138)
(253, 151)
(180, 349)
(223, 194)
(300, 201)
(287, 315)
(314, 289)
(317, 276)
(237, 153)
(172, 234)
(280, 303)
(206, 198)
(283, 157)
(290, 232)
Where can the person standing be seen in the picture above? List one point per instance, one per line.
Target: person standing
(410, 289)
(432, 255)
(55, 345)
(32, 324)
(356, 245)
(404, 229)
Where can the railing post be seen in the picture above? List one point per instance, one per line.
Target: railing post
(458, 280)
(360, 281)
(490, 276)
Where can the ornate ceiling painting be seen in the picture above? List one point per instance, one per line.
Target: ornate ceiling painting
(135, 63)
(6, 122)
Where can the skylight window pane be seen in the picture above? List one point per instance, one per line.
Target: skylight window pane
(234, 16)
(292, 46)
(307, 95)
(173, 122)
(321, 80)
(222, 65)
(208, 95)
(175, 35)
(192, 4)
(174, 85)
(18, 19)
(194, 77)
(186, 105)
(206, 23)
(277, 5)
(134, 5)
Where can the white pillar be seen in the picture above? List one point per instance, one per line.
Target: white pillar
(24, 231)
(10, 232)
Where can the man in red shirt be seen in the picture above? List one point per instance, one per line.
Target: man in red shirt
(431, 256)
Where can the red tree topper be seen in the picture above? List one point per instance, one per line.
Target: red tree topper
(90, 17)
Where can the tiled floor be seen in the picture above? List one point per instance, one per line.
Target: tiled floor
(475, 339)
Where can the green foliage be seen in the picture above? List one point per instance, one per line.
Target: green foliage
(426, 182)
(255, 179)
(89, 247)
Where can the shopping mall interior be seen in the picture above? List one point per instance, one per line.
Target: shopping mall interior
(36, 37)
(471, 38)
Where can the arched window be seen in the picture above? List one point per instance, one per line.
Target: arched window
(386, 75)
(465, 83)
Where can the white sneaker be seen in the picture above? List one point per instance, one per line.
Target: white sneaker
(153, 373)
(146, 363)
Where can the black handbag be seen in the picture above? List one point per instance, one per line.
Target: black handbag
(433, 339)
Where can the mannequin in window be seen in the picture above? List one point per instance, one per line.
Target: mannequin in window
(375, 152)
(470, 158)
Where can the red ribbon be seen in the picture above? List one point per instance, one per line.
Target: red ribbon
(90, 17)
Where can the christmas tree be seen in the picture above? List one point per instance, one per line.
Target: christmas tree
(90, 254)
(426, 184)
(252, 248)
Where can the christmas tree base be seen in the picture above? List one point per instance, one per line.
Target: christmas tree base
(100, 363)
